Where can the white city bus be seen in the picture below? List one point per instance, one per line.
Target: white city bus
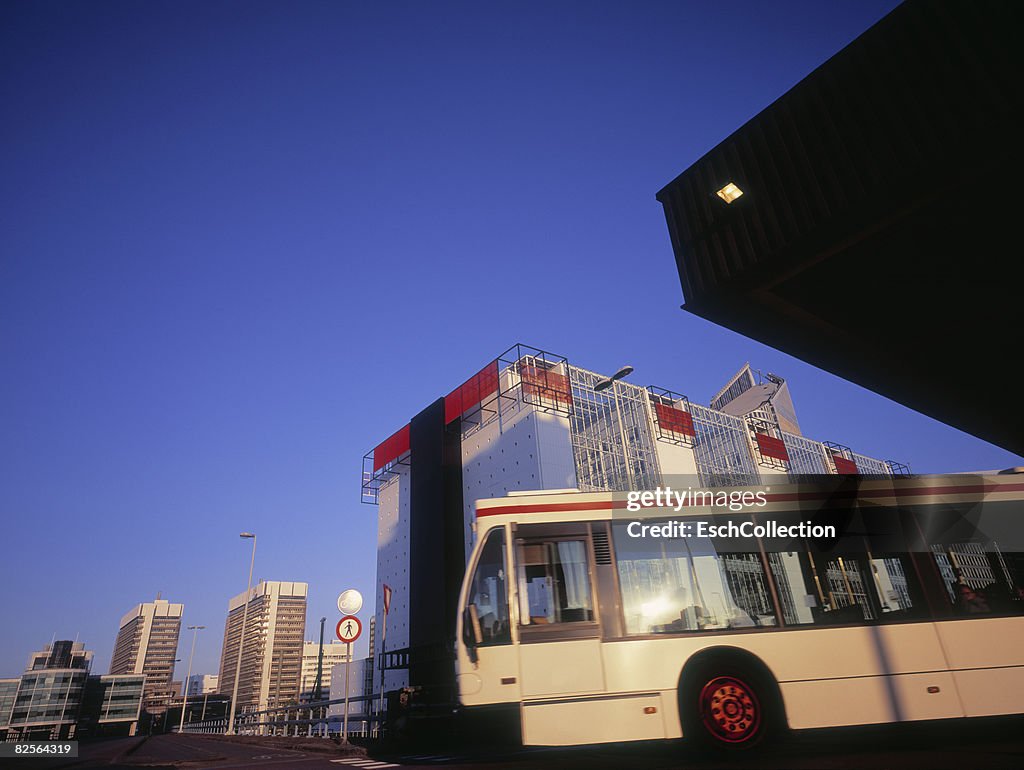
(591, 635)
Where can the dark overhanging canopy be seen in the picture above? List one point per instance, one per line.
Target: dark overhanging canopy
(878, 231)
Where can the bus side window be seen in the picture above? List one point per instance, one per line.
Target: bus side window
(979, 555)
(684, 585)
(864, 576)
(554, 582)
(848, 587)
(488, 593)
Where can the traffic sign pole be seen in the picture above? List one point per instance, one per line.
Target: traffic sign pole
(383, 652)
(348, 665)
(348, 630)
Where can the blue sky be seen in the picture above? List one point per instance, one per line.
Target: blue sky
(241, 243)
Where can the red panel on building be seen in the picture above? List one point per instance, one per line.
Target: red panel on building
(769, 446)
(674, 420)
(391, 448)
(472, 392)
(545, 383)
(843, 465)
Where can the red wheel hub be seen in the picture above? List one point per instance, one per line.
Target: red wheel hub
(729, 709)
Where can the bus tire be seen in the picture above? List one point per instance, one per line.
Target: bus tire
(728, 703)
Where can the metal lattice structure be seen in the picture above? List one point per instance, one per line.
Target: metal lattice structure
(898, 468)
(766, 442)
(806, 456)
(614, 432)
(673, 421)
(374, 478)
(611, 435)
(535, 377)
(721, 449)
(839, 458)
(869, 466)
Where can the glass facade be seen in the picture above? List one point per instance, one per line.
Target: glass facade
(48, 702)
(8, 692)
(57, 699)
(114, 698)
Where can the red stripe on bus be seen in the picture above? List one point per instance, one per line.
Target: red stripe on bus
(607, 505)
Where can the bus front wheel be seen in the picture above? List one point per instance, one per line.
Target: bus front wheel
(726, 705)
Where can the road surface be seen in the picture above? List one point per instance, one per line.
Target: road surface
(959, 746)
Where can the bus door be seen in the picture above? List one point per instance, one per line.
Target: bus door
(488, 665)
(556, 606)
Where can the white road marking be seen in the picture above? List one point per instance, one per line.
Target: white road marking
(366, 763)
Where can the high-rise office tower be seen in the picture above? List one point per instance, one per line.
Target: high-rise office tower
(147, 643)
(272, 653)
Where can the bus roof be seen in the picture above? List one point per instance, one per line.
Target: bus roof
(560, 506)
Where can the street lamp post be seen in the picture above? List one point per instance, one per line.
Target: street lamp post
(241, 637)
(604, 384)
(167, 702)
(184, 700)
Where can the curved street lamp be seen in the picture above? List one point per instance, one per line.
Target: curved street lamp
(607, 382)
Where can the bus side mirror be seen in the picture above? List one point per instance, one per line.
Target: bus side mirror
(471, 633)
(467, 635)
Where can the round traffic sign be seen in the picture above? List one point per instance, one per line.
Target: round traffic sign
(348, 629)
(350, 602)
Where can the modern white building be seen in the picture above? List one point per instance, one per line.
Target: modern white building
(358, 687)
(334, 653)
(529, 420)
(272, 653)
(147, 643)
(202, 684)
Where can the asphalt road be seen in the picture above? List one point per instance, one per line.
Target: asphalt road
(958, 746)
